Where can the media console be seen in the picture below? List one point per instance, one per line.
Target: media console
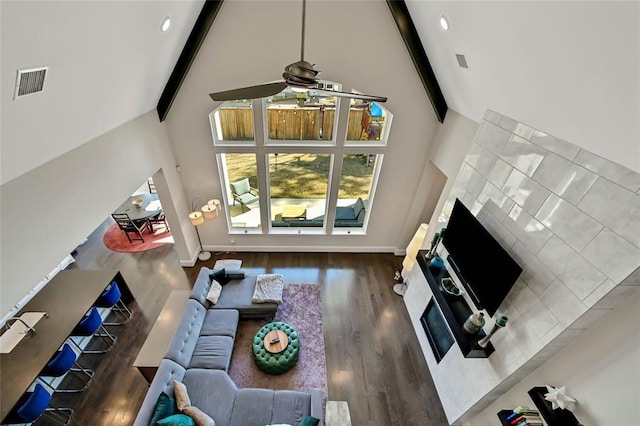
(455, 311)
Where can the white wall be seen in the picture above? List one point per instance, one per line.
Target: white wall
(599, 369)
(570, 219)
(355, 43)
(450, 145)
(48, 211)
(568, 67)
(108, 63)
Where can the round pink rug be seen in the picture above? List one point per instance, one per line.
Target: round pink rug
(115, 240)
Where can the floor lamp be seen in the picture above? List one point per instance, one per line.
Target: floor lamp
(410, 258)
(197, 217)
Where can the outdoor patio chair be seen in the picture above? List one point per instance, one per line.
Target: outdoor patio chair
(244, 193)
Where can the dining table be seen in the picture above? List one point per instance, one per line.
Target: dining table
(149, 207)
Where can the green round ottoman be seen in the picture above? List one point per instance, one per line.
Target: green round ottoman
(280, 362)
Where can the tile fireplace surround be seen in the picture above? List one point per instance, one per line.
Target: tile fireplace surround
(571, 220)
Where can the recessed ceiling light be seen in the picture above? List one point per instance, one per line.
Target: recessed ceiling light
(166, 23)
(444, 23)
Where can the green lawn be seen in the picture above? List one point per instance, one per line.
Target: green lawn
(304, 176)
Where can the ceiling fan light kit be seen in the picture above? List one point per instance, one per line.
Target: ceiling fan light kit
(299, 76)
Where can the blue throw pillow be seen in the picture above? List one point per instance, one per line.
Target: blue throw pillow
(220, 276)
(309, 421)
(165, 407)
(177, 420)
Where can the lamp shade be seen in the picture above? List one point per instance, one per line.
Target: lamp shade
(209, 211)
(414, 245)
(216, 203)
(196, 218)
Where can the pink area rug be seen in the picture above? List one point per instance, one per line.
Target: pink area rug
(116, 240)
(302, 309)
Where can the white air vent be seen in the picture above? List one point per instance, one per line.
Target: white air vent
(462, 61)
(30, 81)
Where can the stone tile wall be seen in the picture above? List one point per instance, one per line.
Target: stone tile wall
(570, 218)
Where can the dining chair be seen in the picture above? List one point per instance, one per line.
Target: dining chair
(91, 325)
(111, 298)
(34, 404)
(130, 226)
(159, 218)
(64, 361)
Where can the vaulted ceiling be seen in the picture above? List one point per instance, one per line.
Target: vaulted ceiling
(570, 68)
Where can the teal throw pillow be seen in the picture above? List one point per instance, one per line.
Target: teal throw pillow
(177, 420)
(309, 421)
(165, 407)
(220, 276)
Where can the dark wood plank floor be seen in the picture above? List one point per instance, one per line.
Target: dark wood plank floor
(374, 361)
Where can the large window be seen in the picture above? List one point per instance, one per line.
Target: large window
(233, 123)
(300, 116)
(368, 123)
(300, 170)
(298, 185)
(241, 182)
(355, 189)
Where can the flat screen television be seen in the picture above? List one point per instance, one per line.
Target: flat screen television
(485, 269)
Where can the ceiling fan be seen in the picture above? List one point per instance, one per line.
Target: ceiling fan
(299, 76)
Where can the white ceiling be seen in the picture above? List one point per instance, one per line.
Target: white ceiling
(568, 68)
(108, 62)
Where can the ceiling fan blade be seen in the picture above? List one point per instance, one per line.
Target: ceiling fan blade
(349, 95)
(251, 92)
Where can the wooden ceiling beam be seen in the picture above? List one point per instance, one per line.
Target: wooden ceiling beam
(418, 56)
(400, 15)
(191, 48)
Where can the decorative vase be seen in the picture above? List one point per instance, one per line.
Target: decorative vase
(474, 323)
(501, 321)
(436, 264)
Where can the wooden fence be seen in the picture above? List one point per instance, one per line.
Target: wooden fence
(290, 124)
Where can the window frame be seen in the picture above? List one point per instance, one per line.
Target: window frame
(262, 147)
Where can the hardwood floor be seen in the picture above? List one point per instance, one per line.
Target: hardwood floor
(374, 361)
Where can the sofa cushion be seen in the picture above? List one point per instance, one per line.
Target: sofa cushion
(177, 420)
(290, 406)
(212, 352)
(234, 274)
(165, 407)
(309, 421)
(220, 322)
(358, 209)
(162, 382)
(182, 396)
(252, 407)
(213, 392)
(219, 275)
(214, 292)
(237, 294)
(186, 336)
(199, 417)
(345, 213)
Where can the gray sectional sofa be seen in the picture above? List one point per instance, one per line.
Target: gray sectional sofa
(199, 356)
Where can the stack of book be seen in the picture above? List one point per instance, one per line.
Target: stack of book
(523, 416)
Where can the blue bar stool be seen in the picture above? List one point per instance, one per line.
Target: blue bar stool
(63, 361)
(111, 297)
(91, 325)
(34, 404)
